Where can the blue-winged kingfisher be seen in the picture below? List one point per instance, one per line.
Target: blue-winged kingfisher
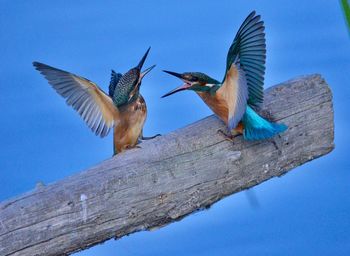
(123, 108)
(236, 99)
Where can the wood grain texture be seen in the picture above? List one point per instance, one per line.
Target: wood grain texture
(169, 177)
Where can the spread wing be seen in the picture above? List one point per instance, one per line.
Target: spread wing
(93, 105)
(248, 51)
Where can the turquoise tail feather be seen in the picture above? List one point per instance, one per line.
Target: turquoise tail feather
(258, 128)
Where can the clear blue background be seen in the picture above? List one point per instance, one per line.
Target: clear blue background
(306, 212)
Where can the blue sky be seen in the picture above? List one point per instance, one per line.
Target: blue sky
(305, 212)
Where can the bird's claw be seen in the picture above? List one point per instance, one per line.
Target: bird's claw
(276, 142)
(228, 137)
(150, 138)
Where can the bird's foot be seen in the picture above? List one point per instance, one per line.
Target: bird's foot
(150, 138)
(228, 137)
(276, 141)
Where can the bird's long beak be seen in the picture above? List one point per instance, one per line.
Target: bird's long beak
(139, 66)
(173, 74)
(143, 73)
(183, 87)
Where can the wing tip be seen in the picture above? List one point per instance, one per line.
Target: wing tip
(41, 66)
(38, 65)
(251, 14)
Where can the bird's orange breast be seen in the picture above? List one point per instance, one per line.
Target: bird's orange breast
(224, 101)
(132, 119)
(216, 103)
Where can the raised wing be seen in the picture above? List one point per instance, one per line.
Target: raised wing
(92, 104)
(115, 77)
(248, 51)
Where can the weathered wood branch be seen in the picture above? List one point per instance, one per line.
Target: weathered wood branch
(168, 178)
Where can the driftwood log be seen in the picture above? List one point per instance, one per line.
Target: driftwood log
(168, 177)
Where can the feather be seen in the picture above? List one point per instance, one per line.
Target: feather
(93, 105)
(258, 128)
(234, 91)
(115, 77)
(248, 50)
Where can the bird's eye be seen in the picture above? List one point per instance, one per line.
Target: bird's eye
(194, 79)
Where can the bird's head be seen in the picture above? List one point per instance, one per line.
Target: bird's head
(137, 75)
(195, 81)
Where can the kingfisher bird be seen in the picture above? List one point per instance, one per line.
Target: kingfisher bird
(123, 108)
(240, 94)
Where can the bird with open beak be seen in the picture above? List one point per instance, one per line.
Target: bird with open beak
(236, 99)
(123, 108)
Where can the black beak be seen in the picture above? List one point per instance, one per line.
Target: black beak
(174, 74)
(145, 72)
(139, 66)
(183, 87)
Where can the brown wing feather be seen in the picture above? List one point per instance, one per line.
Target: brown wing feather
(93, 105)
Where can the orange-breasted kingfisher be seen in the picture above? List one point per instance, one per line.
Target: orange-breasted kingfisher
(123, 108)
(236, 99)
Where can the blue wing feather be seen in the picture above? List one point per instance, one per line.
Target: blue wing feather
(248, 50)
(115, 77)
